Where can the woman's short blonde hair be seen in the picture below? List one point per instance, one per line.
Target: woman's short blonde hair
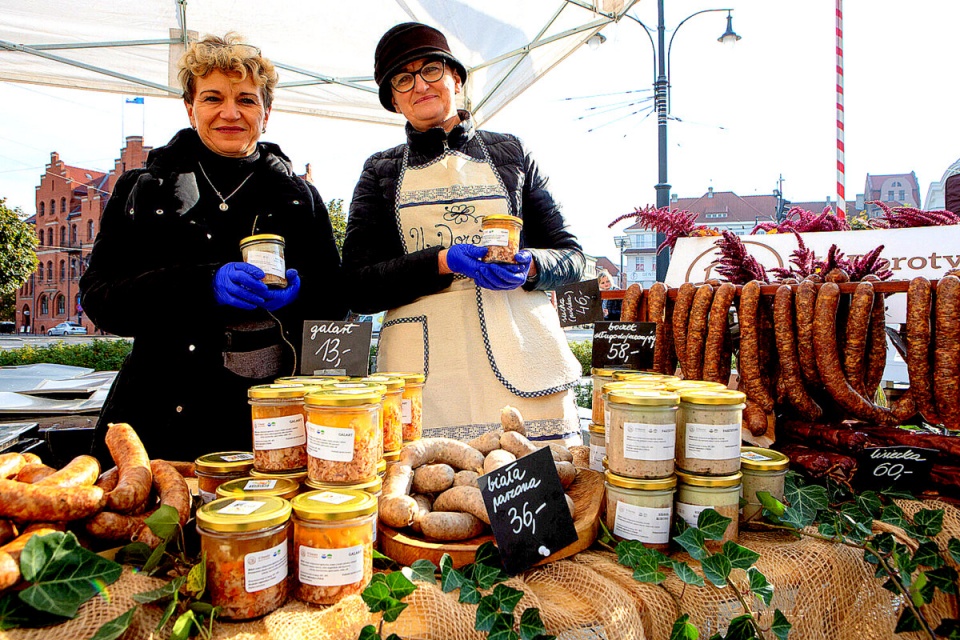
(228, 54)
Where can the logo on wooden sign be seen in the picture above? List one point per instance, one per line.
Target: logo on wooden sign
(579, 303)
(335, 348)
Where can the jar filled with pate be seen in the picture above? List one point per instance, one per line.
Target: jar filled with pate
(601, 377)
(246, 545)
(213, 469)
(392, 410)
(763, 470)
(640, 509)
(650, 385)
(412, 404)
(708, 431)
(266, 252)
(598, 446)
(721, 493)
(279, 431)
(642, 432)
(333, 535)
(344, 435)
(500, 234)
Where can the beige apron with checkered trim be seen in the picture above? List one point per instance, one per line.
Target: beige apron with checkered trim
(480, 349)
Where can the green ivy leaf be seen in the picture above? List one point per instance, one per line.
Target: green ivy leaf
(469, 594)
(502, 628)
(631, 552)
(716, 569)
(928, 555)
(805, 501)
(949, 628)
(423, 571)
(859, 523)
(943, 578)
(384, 563)
(898, 494)
(893, 514)
(164, 522)
(907, 622)
(394, 636)
(922, 591)
(953, 548)
(450, 579)
(64, 574)
(487, 575)
(369, 632)
(116, 627)
(712, 524)
(647, 570)
(928, 522)
(135, 554)
(531, 625)
(165, 591)
(167, 613)
(829, 530)
(488, 610)
(771, 504)
(156, 557)
(392, 609)
(683, 630)
(15, 613)
(197, 578)
(204, 609)
(446, 563)
(759, 586)
(739, 557)
(507, 597)
(184, 626)
(379, 597)
(869, 502)
(781, 626)
(693, 542)
(488, 554)
(741, 628)
(686, 573)
(400, 587)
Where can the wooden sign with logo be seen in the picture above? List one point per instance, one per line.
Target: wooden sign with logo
(335, 348)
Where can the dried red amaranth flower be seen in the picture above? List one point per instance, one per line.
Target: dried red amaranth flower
(735, 264)
(673, 223)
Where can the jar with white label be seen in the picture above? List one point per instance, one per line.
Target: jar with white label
(213, 469)
(251, 488)
(720, 493)
(598, 446)
(333, 534)
(279, 426)
(640, 509)
(763, 470)
(412, 404)
(708, 431)
(642, 434)
(266, 251)
(246, 544)
(343, 434)
(610, 387)
(392, 410)
(500, 234)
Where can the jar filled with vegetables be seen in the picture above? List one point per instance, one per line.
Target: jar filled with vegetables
(213, 469)
(412, 404)
(721, 493)
(642, 432)
(333, 534)
(392, 410)
(763, 470)
(279, 432)
(246, 545)
(640, 509)
(708, 431)
(343, 434)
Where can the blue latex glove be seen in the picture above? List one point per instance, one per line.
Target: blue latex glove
(467, 259)
(274, 299)
(238, 284)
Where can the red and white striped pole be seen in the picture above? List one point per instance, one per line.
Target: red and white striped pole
(841, 201)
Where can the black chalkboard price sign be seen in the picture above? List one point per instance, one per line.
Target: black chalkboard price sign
(579, 303)
(528, 513)
(624, 345)
(335, 348)
(898, 467)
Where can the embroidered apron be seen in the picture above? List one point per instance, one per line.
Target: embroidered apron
(480, 349)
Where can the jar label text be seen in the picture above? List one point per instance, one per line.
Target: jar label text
(646, 524)
(330, 567)
(712, 441)
(265, 569)
(279, 433)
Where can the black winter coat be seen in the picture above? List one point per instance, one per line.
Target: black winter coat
(162, 238)
(382, 276)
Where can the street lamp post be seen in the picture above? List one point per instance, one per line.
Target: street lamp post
(621, 242)
(661, 86)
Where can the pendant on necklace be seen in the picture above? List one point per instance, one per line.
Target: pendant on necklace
(224, 206)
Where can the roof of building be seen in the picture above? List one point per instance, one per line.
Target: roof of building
(80, 175)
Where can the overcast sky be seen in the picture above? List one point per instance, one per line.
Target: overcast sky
(746, 114)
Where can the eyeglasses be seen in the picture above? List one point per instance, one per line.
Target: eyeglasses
(430, 72)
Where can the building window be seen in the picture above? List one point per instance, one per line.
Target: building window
(63, 237)
(63, 205)
(44, 307)
(73, 235)
(903, 195)
(40, 273)
(890, 195)
(40, 234)
(89, 229)
(63, 270)
(49, 237)
(50, 270)
(73, 269)
(53, 206)
(61, 305)
(42, 207)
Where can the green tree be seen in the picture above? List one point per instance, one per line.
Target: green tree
(18, 256)
(339, 221)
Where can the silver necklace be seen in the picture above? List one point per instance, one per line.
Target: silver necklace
(223, 201)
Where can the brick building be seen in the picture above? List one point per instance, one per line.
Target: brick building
(68, 207)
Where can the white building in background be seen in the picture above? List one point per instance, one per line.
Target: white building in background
(935, 193)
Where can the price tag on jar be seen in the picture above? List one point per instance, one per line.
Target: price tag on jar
(898, 467)
(528, 512)
(624, 345)
(335, 348)
(579, 303)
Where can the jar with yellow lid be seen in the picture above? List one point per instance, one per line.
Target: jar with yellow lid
(763, 470)
(266, 251)
(299, 476)
(600, 377)
(382, 466)
(392, 404)
(598, 446)
(642, 432)
(279, 431)
(708, 431)
(310, 380)
(500, 234)
(333, 534)
(213, 469)
(246, 545)
(343, 434)
(640, 509)
(624, 375)
(720, 493)
(692, 385)
(390, 457)
(412, 404)
(654, 385)
(251, 488)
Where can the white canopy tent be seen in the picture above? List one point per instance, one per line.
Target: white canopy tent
(323, 48)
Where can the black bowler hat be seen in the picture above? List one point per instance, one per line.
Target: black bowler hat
(402, 45)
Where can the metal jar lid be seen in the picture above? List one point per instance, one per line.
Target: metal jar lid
(373, 485)
(502, 217)
(695, 480)
(297, 475)
(657, 484)
(409, 377)
(609, 387)
(392, 383)
(392, 456)
(691, 385)
(597, 428)
(711, 397)
(330, 396)
(334, 504)
(228, 515)
(263, 237)
(760, 459)
(279, 391)
(252, 488)
(643, 397)
(310, 380)
(643, 376)
(225, 462)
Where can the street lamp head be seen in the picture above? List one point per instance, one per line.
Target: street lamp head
(729, 36)
(595, 41)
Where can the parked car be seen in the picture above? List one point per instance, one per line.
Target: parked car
(7, 327)
(67, 329)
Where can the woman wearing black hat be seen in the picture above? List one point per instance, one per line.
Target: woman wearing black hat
(484, 333)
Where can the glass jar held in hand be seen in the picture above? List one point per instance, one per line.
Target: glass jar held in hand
(467, 259)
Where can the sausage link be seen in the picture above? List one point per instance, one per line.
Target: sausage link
(9, 571)
(8, 531)
(755, 418)
(22, 501)
(31, 458)
(785, 337)
(697, 330)
(919, 296)
(876, 346)
(806, 300)
(717, 334)
(669, 348)
(33, 472)
(79, 472)
(946, 381)
(630, 312)
(749, 362)
(116, 527)
(108, 479)
(681, 316)
(173, 492)
(855, 347)
(656, 303)
(133, 465)
(10, 464)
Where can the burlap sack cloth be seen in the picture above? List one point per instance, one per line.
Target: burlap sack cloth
(826, 591)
